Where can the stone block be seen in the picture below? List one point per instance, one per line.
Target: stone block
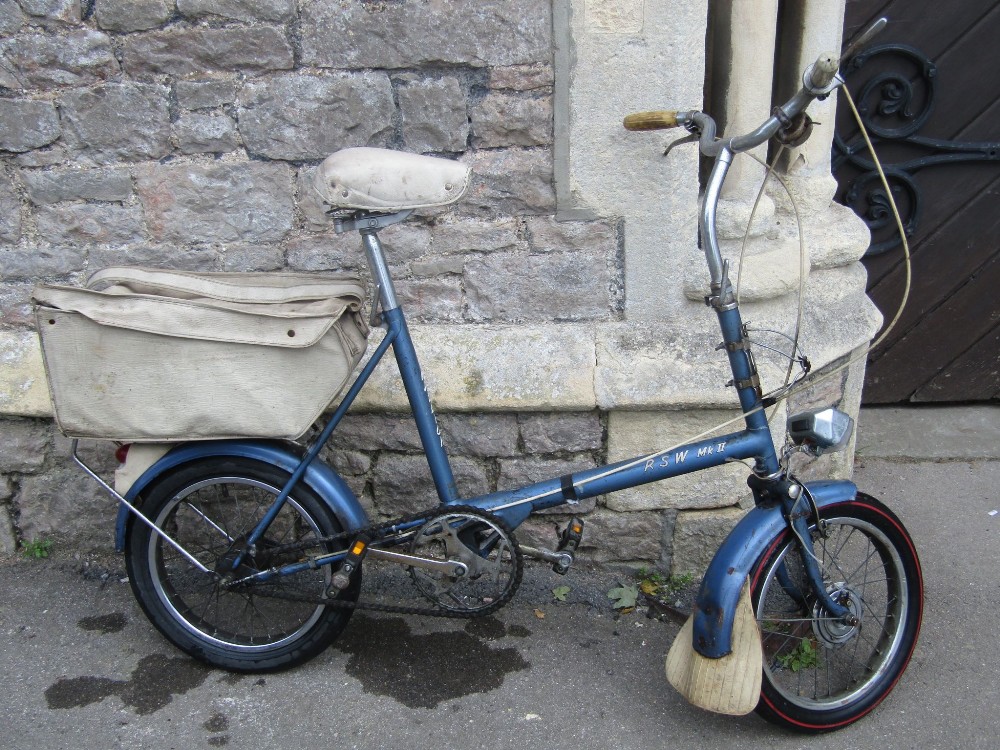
(239, 10)
(456, 235)
(181, 257)
(90, 223)
(58, 11)
(431, 300)
(206, 134)
(372, 432)
(634, 435)
(546, 235)
(434, 113)
(310, 204)
(117, 122)
(79, 58)
(558, 433)
(24, 444)
(510, 182)
(26, 124)
(622, 537)
(216, 202)
(403, 484)
(492, 368)
(24, 390)
(509, 287)
(39, 261)
(697, 535)
(8, 539)
(660, 364)
(15, 304)
(54, 155)
(529, 77)
(132, 15)
(349, 463)
(325, 253)
(479, 435)
(252, 258)
(403, 244)
(203, 94)
(438, 265)
(68, 507)
(12, 18)
(404, 35)
(10, 212)
(300, 117)
(502, 119)
(194, 50)
(113, 184)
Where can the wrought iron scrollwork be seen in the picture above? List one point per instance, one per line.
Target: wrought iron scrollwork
(894, 104)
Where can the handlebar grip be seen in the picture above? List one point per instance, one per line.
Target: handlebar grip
(824, 69)
(659, 120)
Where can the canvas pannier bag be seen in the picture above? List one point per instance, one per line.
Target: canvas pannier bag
(151, 355)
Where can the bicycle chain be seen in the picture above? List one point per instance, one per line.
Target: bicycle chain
(387, 527)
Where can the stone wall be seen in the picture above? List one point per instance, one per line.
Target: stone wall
(185, 134)
(555, 308)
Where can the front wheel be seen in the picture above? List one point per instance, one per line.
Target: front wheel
(210, 507)
(819, 672)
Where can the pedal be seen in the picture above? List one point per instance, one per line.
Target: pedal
(342, 578)
(569, 540)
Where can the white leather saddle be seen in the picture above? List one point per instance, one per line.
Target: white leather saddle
(378, 179)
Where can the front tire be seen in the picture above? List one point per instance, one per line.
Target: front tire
(819, 673)
(209, 507)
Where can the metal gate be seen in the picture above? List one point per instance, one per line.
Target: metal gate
(929, 91)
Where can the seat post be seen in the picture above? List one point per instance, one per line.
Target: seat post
(379, 269)
(368, 224)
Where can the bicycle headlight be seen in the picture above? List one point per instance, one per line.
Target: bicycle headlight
(820, 430)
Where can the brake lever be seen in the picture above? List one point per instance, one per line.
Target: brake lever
(692, 137)
(866, 36)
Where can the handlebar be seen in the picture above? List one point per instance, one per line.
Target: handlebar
(818, 80)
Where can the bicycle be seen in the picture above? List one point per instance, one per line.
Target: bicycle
(247, 553)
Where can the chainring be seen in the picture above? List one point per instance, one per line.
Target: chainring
(488, 549)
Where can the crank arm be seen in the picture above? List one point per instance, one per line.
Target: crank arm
(545, 555)
(448, 567)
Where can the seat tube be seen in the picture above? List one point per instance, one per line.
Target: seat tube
(409, 371)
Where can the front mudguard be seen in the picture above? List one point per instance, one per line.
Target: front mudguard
(715, 608)
(319, 477)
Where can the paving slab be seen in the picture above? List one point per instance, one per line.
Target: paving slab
(936, 433)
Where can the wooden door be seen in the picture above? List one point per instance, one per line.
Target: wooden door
(929, 87)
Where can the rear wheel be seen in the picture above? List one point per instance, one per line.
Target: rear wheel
(210, 507)
(819, 672)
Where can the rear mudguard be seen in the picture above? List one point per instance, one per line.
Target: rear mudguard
(319, 477)
(720, 589)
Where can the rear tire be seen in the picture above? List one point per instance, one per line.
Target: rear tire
(209, 506)
(819, 673)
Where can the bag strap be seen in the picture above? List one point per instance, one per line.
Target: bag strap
(229, 287)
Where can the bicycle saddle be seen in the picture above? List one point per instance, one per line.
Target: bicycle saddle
(378, 179)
